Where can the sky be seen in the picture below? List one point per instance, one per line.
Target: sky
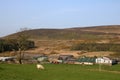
(36, 14)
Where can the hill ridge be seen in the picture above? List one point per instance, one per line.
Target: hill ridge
(94, 32)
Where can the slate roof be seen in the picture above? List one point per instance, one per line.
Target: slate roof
(87, 59)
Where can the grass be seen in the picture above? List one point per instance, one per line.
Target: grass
(58, 72)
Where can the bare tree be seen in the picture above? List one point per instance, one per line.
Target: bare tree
(22, 44)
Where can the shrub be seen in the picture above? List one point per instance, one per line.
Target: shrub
(97, 47)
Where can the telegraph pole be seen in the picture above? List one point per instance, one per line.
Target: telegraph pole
(100, 66)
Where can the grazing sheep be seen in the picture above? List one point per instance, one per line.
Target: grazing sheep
(39, 66)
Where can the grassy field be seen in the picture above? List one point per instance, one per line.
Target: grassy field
(58, 72)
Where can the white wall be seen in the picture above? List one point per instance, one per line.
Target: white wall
(103, 60)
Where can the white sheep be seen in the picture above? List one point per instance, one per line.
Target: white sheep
(39, 66)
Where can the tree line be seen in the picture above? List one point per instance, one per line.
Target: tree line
(14, 44)
(97, 47)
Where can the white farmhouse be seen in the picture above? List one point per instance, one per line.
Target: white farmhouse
(103, 60)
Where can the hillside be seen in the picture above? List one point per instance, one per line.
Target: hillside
(51, 41)
(96, 32)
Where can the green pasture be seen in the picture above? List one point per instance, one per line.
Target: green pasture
(58, 72)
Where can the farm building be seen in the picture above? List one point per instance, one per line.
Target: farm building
(71, 61)
(86, 60)
(66, 58)
(7, 59)
(105, 60)
(54, 59)
(42, 58)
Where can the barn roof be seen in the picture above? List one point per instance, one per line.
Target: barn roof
(86, 59)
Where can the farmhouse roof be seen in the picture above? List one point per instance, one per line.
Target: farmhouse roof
(65, 57)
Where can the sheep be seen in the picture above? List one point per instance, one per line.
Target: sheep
(39, 66)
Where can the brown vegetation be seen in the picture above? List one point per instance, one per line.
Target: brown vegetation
(59, 41)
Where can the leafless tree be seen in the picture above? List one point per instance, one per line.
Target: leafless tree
(22, 44)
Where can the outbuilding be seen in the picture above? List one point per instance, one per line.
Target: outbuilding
(86, 60)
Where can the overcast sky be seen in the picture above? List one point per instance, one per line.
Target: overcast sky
(16, 14)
